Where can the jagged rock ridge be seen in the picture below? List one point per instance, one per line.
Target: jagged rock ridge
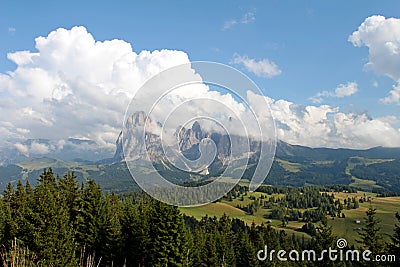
(188, 139)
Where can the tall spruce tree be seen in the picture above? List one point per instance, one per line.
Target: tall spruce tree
(225, 241)
(370, 236)
(246, 252)
(22, 213)
(198, 246)
(3, 217)
(53, 239)
(71, 194)
(395, 244)
(168, 246)
(131, 241)
(324, 239)
(109, 243)
(88, 219)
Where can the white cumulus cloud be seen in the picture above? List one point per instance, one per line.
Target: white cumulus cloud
(382, 37)
(341, 91)
(74, 85)
(39, 148)
(261, 68)
(394, 95)
(22, 148)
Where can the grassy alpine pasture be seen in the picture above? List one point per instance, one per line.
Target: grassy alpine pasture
(220, 208)
(342, 227)
(386, 208)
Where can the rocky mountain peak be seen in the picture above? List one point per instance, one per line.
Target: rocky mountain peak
(139, 118)
(189, 140)
(196, 129)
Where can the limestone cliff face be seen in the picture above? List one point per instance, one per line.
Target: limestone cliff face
(188, 139)
(131, 142)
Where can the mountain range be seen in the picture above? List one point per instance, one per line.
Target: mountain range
(294, 165)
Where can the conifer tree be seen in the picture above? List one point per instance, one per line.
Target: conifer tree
(198, 247)
(168, 243)
(395, 244)
(246, 252)
(109, 243)
(209, 253)
(8, 193)
(53, 239)
(10, 229)
(88, 218)
(142, 235)
(370, 237)
(225, 241)
(71, 193)
(2, 222)
(131, 242)
(22, 213)
(324, 235)
(324, 239)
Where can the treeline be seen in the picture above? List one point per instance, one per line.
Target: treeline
(386, 174)
(316, 201)
(309, 173)
(63, 222)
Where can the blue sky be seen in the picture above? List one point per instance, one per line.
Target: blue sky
(306, 41)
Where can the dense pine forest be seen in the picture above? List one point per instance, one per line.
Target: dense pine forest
(61, 222)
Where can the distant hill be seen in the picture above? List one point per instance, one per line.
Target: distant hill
(308, 154)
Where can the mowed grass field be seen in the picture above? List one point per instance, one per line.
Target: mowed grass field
(386, 209)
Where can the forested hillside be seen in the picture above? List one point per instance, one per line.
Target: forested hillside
(63, 223)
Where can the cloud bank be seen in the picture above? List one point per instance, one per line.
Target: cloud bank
(327, 126)
(76, 88)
